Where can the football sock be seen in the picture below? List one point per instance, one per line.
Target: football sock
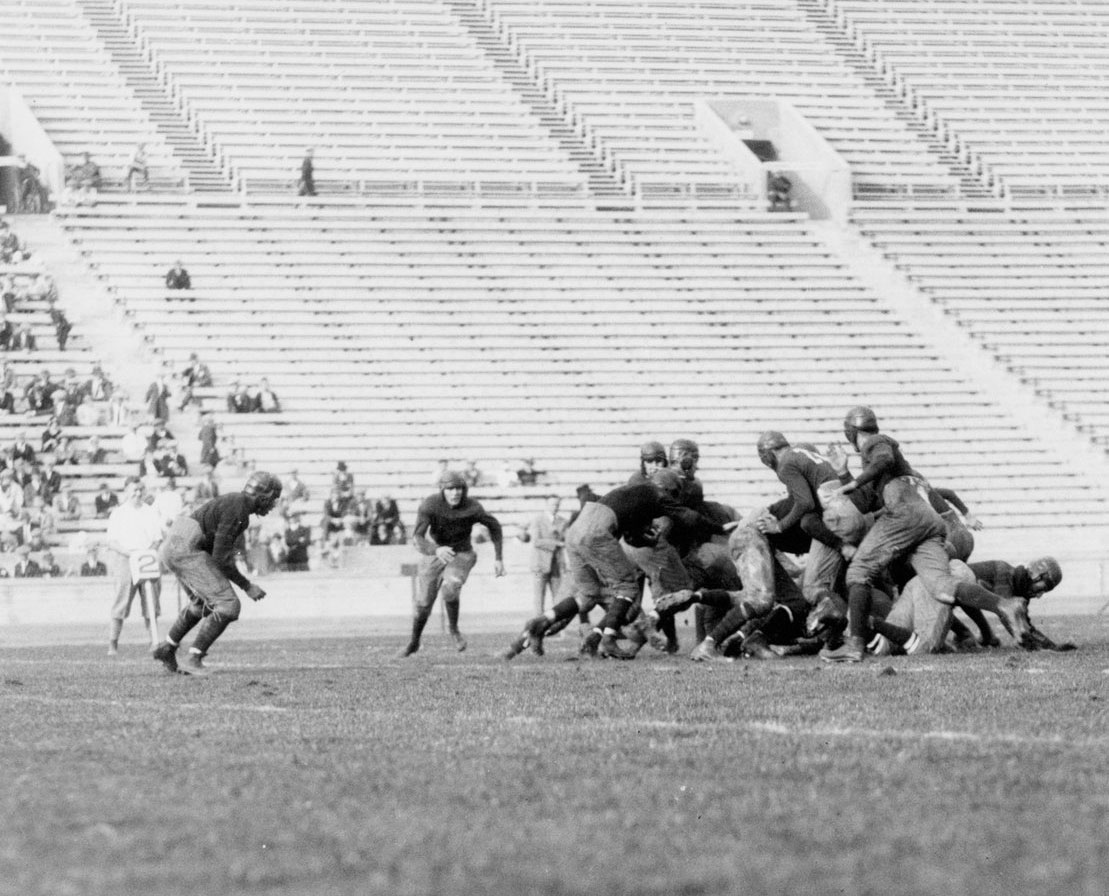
(614, 617)
(452, 614)
(183, 624)
(858, 609)
(210, 629)
(985, 632)
(716, 597)
(731, 623)
(114, 631)
(418, 623)
(895, 633)
(566, 609)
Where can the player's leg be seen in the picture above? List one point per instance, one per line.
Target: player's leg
(429, 572)
(450, 589)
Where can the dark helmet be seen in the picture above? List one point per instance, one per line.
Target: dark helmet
(655, 451)
(451, 479)
(264, 489)
(666, 481)
(769, 442)
(1047, 571)
(684, 455)
(859, 419)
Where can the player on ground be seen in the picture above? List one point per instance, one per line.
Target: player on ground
(134, 533)
(907, 528)
(1025, 583)
(200, 550)
(442, 536)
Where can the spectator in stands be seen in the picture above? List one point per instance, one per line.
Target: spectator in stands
(138, 169)
(7, 294)
(133, 445)
(265, 401)
(11, 501)
(9, 244)
(343, 480)
(62, 409)
(24, 340)
(85, 180)
(278, 553)
(25, 567)
(157, 398)
(472, 474)
(105, 502)
(93, 565)
(206, 486)
(66, 505)
(93, 452)
(295, 489)
(158, 434)
(33, 195)
(22, 449)
(307, 183)
(193, 376)
(178, 278)
(118, 412)
(169, 461)
(441, 470)
(50, 567)
(7, 332)
(61, 323)
(298, 539)
(778, 192)
(36, 395)
(52, 479)
(41, 288)
(527, 474)
(335, 510)
(98, 387)
(51, 433)
(66, 453)
(388, 528)
(87, 413)
(209, 440)
(239, 400)
(362, 513)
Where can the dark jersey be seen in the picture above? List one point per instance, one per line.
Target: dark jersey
(882, 463)
(636, 506)
(1002, 578)
(222, 522)
(802, 473)
(451, 526)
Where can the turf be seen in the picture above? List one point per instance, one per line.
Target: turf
(323, 765)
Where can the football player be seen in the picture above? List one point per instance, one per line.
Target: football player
(907, 528)
(444, 522)
(199, 549)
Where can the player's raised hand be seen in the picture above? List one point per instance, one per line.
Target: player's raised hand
(254, 592)
(973, 522)
(837, 457)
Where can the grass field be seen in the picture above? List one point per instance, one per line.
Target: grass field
(318, 764)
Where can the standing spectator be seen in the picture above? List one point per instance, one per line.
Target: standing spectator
(266, 401)
(93, 565)
(104, 502)
(239, 400)
(343, 480)
(169, 502)
(51, 478)
(93, 452)
(134, 528)
(178, 278)
(546, 532)
(209, 440)
(85, 180)
(49, 567)
(335, 511)
(298, 539)
(295, 489)
(138, 168)
(61, 323)
(160, 433)
(157, 399)
(7, 332)
(307, 183)
(11, 501)
(206, 487)
(33, 195)
(778, 192)
(118, 412)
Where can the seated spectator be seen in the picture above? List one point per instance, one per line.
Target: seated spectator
(362, 511)
(7, 296)
(178, 278)
(157, 399)
(24, 340)
(138, 169)
(159, 433)
(87, 413)
(7, 331)
(9, 244)
(51, 433)
(105, 501)
(61, 409)
(239, 400)
(265, 401)
(294, 489)
(21, 471)
(11, 501)
(98, 387)
(169, 461)
(66, 505)
(21, 449)
(25, 567)
(472, 474)
(277, 551)
(196, 374)
(7, 402)
(133, 445)
(66, 452)
(93, 453)
(778, 192)
(527, 474)
(84, 180)
(343, 480)
(50, 567)
(51, 477)
(93, 565)
(298, 540)
(335, 510)
(388, 528)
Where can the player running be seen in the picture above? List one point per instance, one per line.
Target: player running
(200, 550)
(444, 522)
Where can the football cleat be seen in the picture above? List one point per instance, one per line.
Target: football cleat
(459, 641)
(706, 652)
(535, 630)
(166, 654)
(756, 647)
(589, 645)
(610, 649)
(850, 651)
(410, 648)
(194, 665)
(518, 646)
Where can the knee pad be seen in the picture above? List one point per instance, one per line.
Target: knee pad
(227, 611)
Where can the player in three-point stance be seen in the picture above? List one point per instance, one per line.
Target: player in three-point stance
(200, 550)
(447, 556)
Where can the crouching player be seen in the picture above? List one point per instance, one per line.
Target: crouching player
(442, 536)
(200, 550)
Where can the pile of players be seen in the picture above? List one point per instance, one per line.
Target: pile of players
(885, 569)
